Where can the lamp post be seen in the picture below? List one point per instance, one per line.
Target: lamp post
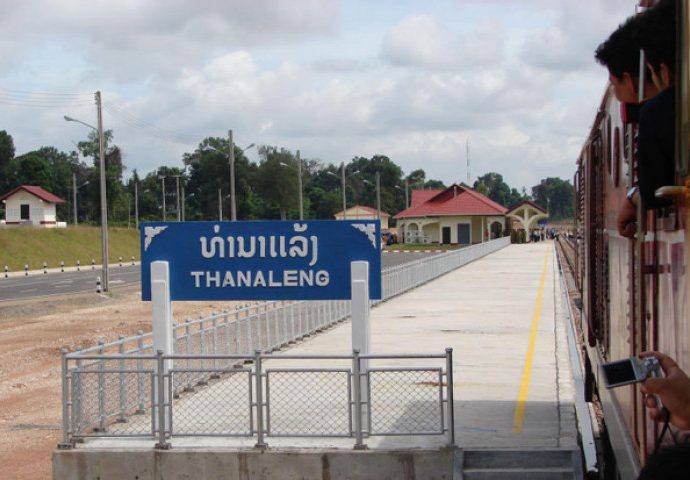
(299, 184)
(177, 198)
(378, 194)
(407, 194)
(342, 180)
(104, 204)
(162, 179)
(74, 194)
(136, 205)
(231, 159)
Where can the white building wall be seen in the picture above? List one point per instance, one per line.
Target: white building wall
(39, 211)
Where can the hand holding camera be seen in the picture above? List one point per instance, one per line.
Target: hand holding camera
(631, 370)
(665, 385)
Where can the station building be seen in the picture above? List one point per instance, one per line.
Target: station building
(455, 215)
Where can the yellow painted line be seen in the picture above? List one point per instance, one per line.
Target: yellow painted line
(519, 418)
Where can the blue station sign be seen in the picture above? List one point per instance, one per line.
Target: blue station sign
(270, 260)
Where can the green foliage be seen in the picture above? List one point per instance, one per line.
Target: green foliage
(555, 195)
(493, 186)
(277, 183)
(267, 190)
(6, 156)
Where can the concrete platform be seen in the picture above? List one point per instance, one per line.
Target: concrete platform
(512, 384)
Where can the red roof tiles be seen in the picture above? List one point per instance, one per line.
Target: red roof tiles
(454, 200)
(36, 191)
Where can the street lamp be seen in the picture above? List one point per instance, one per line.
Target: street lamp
(231, 158)
(162, 179)
(299, 183)
(342, 179)
(407, 194)
(220, 204)
(378, 194)
(74, 194)
(104, 204)
(177, 198)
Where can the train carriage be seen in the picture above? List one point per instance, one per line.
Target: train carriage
(633, 293)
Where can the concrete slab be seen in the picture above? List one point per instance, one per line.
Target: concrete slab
(512, 383)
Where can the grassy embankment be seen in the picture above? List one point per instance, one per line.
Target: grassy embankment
(33, 246)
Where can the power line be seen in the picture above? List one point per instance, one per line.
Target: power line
(152, 129)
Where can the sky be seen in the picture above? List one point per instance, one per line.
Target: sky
(423, 82)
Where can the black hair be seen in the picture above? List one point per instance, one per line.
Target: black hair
(620, 53)
(657, 35)
(670, 463)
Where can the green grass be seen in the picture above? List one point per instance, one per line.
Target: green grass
(33, 246)
(428, 246)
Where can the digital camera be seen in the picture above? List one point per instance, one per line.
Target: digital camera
(630, 370)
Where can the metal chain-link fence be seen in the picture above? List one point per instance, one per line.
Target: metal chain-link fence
(261, 399)
(112, 380)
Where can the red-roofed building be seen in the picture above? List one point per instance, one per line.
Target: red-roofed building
(361, 212)
(456, 215)
(31, 205)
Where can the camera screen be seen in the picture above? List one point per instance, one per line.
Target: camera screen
(619, 372)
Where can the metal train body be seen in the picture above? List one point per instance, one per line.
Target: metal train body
(634, 292)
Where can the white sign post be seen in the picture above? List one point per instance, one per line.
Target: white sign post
(361, 333)
(162, 326)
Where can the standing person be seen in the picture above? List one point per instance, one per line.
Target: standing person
(656, 34)
(620, 54)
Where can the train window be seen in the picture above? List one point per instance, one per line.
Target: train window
(616, 154)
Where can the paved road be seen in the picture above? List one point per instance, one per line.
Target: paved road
(41, 285)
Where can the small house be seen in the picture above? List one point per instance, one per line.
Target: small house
(30, 205)
(360, 212)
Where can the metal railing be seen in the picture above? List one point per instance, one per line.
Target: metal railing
(202, 344)
(247, 396)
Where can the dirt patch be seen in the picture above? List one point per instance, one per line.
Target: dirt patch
(32, 334)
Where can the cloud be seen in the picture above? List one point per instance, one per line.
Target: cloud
(413, 81)
(422, 41)
(130, 40)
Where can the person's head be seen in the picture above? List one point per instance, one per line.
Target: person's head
(657, 37)
(620, 54)
(671, 463)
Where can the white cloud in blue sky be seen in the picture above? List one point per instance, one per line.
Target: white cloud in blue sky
(336, 79)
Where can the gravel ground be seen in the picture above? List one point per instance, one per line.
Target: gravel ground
(32, 334)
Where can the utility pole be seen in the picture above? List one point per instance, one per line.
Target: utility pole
(74, 196)
(378, 196)
(183, 204)
(407, 193)
(233, 206)
(104, 204)
(162, 177)
(220, 205)
(136, 205)
(177, 186)
(344, 201)
(467, 147)
(299, 185)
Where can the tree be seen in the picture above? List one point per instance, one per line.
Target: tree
(556, 196)
(279, 192)
(7, 181)
(493, 186)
